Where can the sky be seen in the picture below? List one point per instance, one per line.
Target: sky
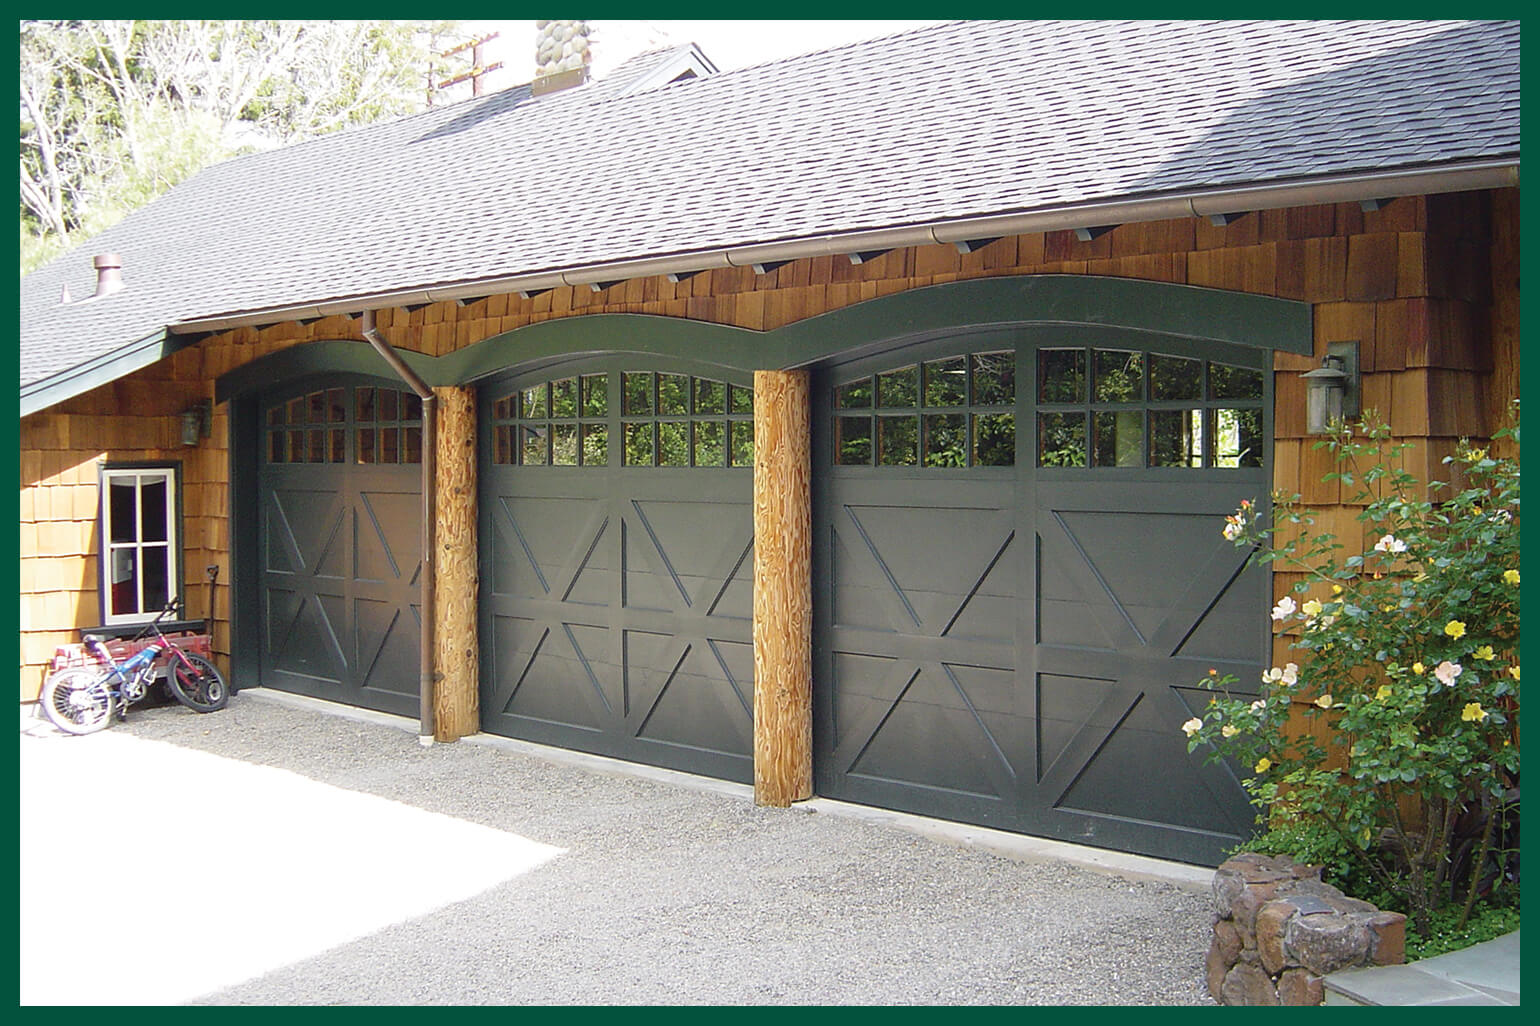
(728, 44)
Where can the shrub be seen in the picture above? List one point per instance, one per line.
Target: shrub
(1409, 654)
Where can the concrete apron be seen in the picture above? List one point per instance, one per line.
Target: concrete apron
(1195, 879)
(163, 922)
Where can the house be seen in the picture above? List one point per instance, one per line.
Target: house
(858, 424)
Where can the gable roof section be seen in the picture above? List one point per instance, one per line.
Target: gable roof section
(958, 121)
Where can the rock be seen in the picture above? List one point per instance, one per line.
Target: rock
(1228, 884)
(1324, 943)
(1228, 938)
(1272, 918)
(1216, 966)
(1244, 911)
(1300, 987)
(1248, 985)
(1389, 930)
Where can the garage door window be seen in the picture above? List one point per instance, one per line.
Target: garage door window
(313, 428)
(563, 423)
(951, 412)
(662, 420)
(1134, 408)
(677, 420)
(309, 428)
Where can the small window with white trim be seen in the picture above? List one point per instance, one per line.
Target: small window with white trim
(141, 544)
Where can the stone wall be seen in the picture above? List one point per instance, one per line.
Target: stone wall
(1278, 929)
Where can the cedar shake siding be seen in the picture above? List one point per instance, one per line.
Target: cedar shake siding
(1427, 285)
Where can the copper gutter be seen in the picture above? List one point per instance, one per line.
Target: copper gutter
(429, 520)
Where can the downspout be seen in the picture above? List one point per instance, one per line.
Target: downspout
(429, 518)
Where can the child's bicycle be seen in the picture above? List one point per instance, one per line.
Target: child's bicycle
(83, 700)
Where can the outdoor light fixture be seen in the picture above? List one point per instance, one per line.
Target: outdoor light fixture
(195, 422)
(1333, 394)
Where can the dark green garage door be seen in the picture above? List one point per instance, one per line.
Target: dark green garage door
(1019, 576)
(617, 559)
(340, 541)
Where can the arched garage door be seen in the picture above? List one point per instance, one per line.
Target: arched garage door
(339, 538)
(617, 558)
(1019, 576)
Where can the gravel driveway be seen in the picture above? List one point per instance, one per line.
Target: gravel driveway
(292, 855)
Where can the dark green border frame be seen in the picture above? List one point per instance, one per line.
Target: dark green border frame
(1184, 311)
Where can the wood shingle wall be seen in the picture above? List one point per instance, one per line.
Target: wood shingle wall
(1428, 286)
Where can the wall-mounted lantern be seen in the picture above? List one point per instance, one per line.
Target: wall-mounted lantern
(196, 422)
(1333, 395)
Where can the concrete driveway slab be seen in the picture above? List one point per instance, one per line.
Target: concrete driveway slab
(295, 853)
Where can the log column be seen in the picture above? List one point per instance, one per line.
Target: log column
(456, 656)
(783, 589)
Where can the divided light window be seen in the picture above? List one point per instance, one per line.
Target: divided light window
(386, 426)
(140, 542)
(957, 411)
(659, 420)
(1134, 408)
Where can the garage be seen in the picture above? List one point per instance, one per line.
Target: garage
(339, 541)
(1019, 575)
(616, 561)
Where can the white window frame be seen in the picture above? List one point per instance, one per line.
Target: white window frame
(110, 551)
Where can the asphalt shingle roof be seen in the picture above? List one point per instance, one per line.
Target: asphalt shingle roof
(953, 121)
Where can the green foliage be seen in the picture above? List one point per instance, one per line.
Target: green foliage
(1409, 658)
(1445, 932)
(113, 113)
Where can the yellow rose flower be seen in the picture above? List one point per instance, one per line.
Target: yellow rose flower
(1263, 763)
(1485, 652)
(1383, 693)
(1228, 731)
(1312, 607)
(1455, 629)
(1511, 576)
(1473, 713)
(1324, 701)
(1513, 671)
(1336, 589)
(1192, 726)
(1419, 669)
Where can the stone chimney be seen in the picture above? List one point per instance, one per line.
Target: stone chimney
(561, 55)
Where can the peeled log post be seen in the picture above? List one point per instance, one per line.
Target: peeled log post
(456, 660)
(783, 589)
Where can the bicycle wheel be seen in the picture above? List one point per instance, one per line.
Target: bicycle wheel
(77, 701)
(197, 683)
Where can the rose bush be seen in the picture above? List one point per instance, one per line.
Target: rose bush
(1410, 663)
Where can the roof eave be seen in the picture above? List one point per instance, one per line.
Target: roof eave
(1501, 172)
(1463, 177)
(103, 370)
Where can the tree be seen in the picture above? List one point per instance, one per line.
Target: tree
(113, 113)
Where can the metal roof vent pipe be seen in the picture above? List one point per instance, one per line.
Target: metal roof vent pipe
(109, 273)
